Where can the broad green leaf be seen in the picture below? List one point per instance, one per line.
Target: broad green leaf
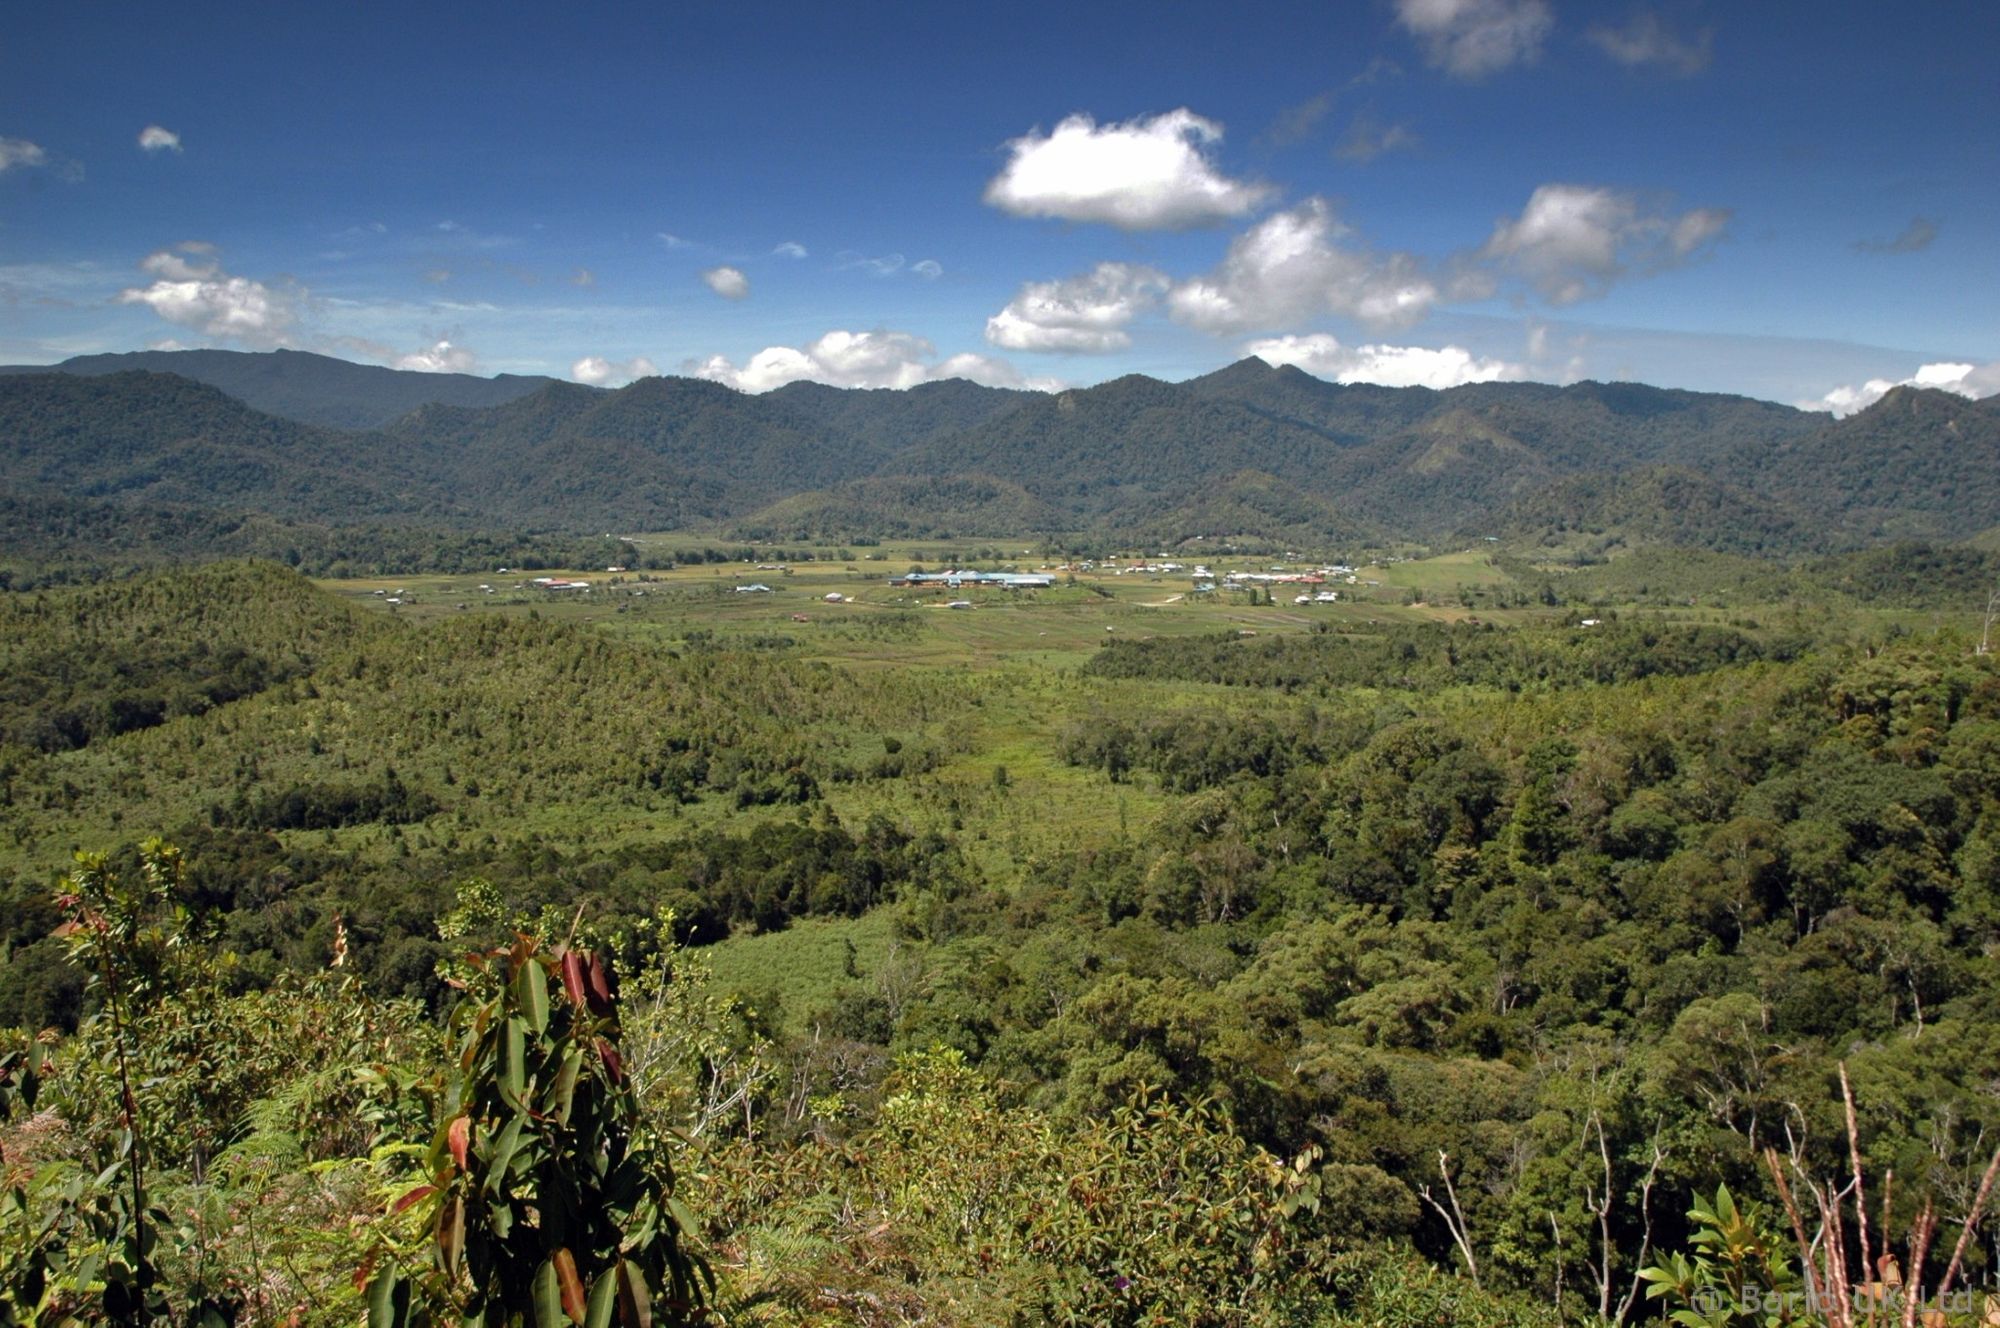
(531, 992)
(514, 1061)
(548, 1297)
(388, 1300)
(603, 1299)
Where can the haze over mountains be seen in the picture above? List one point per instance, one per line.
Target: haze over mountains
(1250, 450)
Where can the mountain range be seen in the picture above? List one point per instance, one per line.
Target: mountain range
(1248, 451)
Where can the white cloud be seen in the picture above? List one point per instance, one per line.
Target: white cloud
(20, 152)
(1573, 241)
(1472, 38)
(1290, 266)
(155, 139)
(1967, 380)
(1645, 40)
(440, 356)
(858, 359)
(728, 282)
(928, 268)
(1391, 366)
(189, 261)
(1087, 313)
(583, 276)
(192, 290)
(600, 372)
(675, 241)
(789, 249)
(1143, 174)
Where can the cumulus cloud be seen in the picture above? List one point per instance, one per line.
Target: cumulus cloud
(191, 290)
(1916, 238)
(1645, 40)
(728, 282)
(1391, 366)
(20, 152)
(1292, 266)
(1473, 38)
(597, 371)
(1087, 313)
(1149, 173)
(1967, 380)
(440, 356)
(789, 249)
(1573, 241)
(858, 359)
(155, 139)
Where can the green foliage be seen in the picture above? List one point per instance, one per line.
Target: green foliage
(547, 1195)
(1429, 657)
(1737, 1264)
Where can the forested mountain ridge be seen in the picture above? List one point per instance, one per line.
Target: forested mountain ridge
(308, 388)
(1131, 457)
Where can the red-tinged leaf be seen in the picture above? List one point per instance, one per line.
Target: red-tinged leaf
(614, 1064)
(364, 1272)
(635, 1306)
(574, 1302)
(599, 981)
(573, 979)
(451, 1234)
(458, 1137)
(416, 1196)
(66, 930)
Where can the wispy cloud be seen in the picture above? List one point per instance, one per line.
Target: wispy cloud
(1368, 138)
(1474, 38)
(1646, 40)
(1573, 242)
(1915, 238)
(153, 138)
(19, 152)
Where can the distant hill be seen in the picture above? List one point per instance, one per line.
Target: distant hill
(312, 389)
(161, 440)
(1918, 464)
(904, 507)
(1248, 451)
(1669, 505)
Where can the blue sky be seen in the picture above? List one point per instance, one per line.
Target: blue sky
(1794, 201)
